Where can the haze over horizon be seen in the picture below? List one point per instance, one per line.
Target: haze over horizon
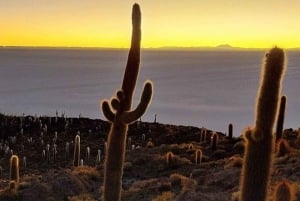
(98, 23)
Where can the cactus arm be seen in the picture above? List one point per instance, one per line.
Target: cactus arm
(115, 103)
(130, 116)
(133, 61)
(280, 118)
(109, 115)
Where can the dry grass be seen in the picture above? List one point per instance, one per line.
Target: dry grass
(234, 161)
(90, 172)
(81, 197)
(165, 196)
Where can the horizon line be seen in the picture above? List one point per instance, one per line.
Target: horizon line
(218, 47)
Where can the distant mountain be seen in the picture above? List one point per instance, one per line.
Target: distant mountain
(226, 46)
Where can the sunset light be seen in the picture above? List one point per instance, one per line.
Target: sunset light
(154, 100)
(91, 23)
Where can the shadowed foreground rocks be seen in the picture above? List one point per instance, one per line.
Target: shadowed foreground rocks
(147, 175)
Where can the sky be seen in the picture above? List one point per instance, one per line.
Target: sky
(189, 23)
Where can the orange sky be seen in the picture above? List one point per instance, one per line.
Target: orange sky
(102, 23)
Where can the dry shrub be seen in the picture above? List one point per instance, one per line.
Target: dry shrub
(90, 172)
(239, 146)
(185, 182)
(81, 197)
(144, 184)
(165, 196)
(9, 195)
(283, 148)
(234, 161)
(235, 196)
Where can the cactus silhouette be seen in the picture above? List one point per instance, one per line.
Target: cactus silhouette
(230, 130)
(284, 191)
(260, 139)
(280, 118)
(214, 141)
(118, 111)
(203, 134)
(76, 160)
(14, 170)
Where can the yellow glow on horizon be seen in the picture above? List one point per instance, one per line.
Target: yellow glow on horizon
(98, 23)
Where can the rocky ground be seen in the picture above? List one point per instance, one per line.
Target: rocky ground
(148, 176)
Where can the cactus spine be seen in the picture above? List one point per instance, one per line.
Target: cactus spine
(260, 140)
(284, 191)
(280, 118)
(118, 111)
(14, 175)
(76, 160)
(230, 130)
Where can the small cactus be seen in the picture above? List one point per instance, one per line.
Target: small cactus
(203, 132)
(198, 156)
(284, 191)
(13, 187)
(24, 162)
(169, 158)
(87, 153)
(230, 131)
(214, 141)
(76, 160)
(14, 169)
(98, 157)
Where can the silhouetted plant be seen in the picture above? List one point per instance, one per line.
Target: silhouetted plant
(214, 141)
(76, 159)
(203, 132)
(260, 140)
(198, 156)
(280, 118)
(118, 111)
(230, 130)
(14, 175)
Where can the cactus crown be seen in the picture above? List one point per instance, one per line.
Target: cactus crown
(270, 86)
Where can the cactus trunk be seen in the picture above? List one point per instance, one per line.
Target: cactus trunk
(260, 140)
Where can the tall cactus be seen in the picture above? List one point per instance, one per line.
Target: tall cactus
(280, 118)
(14, 175)
(118, 111)
(230, 131)
(76, 159)
(260, 140)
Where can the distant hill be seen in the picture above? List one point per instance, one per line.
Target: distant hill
(226, 46)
